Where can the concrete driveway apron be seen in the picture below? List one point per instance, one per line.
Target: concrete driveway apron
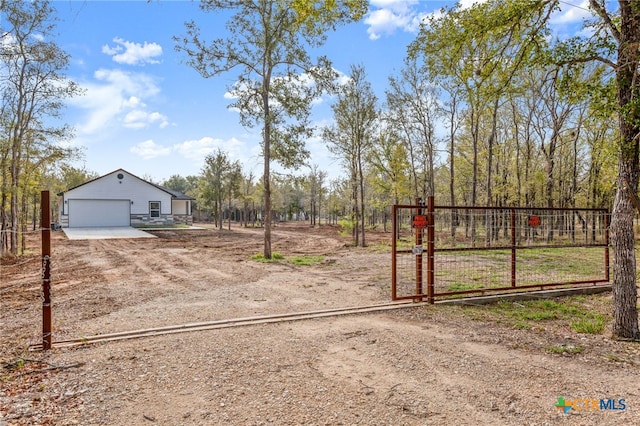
(105, 233)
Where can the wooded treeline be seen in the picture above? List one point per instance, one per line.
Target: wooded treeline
(488, 108)
(464, 119)
(33, 88)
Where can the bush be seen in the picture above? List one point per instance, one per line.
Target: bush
(346, 226)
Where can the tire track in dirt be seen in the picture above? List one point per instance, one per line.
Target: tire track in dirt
(433, 375)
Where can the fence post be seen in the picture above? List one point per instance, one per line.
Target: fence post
(394, 224)
(513, 248)
(418, 254)
(430, 249)
(45, 226)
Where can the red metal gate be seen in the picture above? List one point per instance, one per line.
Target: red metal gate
(481, 250)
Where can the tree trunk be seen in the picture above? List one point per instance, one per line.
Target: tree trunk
(625, 310)
(4, 190)
(452, 196)
(361, 179)
(267, 172)
(14, 204)
(490, 143)
(474, 182)
(550, 166)
(355, 210)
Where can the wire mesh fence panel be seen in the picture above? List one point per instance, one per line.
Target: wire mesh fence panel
(493, 227)
(471, 270)
(490, 249)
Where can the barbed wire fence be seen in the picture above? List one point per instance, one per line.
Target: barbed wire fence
(37, 274)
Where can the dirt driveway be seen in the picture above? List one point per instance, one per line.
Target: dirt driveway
(422, 366)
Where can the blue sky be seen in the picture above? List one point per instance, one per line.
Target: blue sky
(146, 111)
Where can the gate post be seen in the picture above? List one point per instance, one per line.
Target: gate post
(45, 226)
(418, 254)
(513, 248)
(394, 224)
(430, 249)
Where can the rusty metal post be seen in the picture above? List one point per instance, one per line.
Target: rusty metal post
(394, 238)
(513, 248)
(431, 234)
(45, 226)
(418, 254)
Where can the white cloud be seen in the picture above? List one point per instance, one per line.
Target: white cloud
(387, 16)
(156, 117)
(466, 4)
(382, 21)
(572, 14)
(134, 102)
(8, 42)
(149, 149)
(139, 119)
(200, 148)
(129, 83)
(195, 150)
(130, 53)
(117, 95)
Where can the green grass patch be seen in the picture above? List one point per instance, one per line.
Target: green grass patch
(576, 314)
(296, 260)
(260, 257)
(521, 325)
(379, 247)
(463, 286)
(589, 325)
(306, 260)
(402, 244)
(615, 358)
(565, 261)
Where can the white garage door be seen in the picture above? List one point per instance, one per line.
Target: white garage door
(88, 213)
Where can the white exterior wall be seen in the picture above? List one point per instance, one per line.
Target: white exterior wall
(180, 207)
(109, 187)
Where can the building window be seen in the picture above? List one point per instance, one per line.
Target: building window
(154, 208)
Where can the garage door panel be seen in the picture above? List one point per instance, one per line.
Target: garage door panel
(90, 213)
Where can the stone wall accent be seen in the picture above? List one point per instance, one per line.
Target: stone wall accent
(146, 220)
(182, 219)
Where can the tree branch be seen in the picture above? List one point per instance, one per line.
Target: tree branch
(602, 12)
(588, 59)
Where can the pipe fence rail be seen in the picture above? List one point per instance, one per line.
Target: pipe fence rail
(453, 251)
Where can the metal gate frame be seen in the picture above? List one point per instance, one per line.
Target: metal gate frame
(423, 219)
